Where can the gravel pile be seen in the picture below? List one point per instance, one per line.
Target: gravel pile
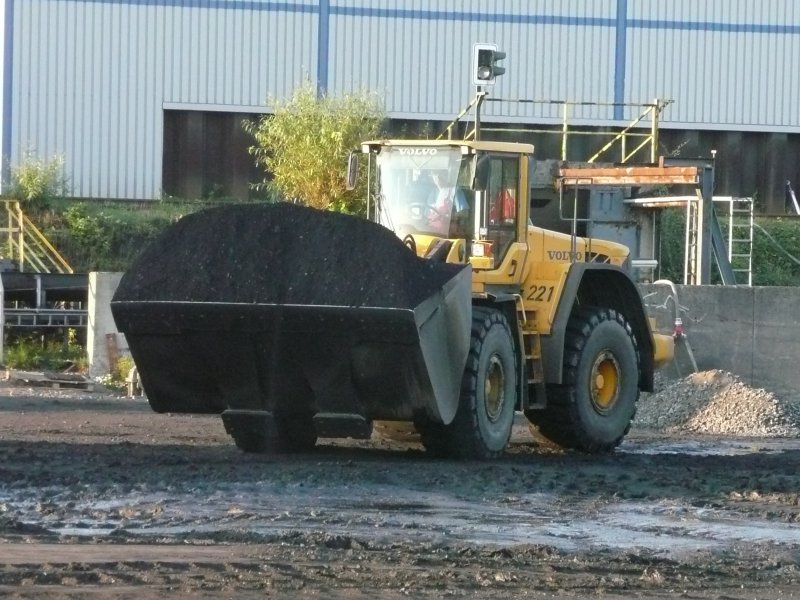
(717, 402)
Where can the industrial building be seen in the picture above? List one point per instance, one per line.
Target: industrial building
(145, 98)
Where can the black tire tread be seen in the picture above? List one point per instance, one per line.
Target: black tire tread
(559, 422)
(463, 440)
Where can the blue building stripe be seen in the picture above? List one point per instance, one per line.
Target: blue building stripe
(483, 17)
(620, 57)
(8, 76)
(359, 11)
(714, 27)
(323, 40)
(251, 5)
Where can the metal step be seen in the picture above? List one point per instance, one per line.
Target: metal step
(537, 398)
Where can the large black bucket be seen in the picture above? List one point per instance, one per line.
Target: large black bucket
(375, 362)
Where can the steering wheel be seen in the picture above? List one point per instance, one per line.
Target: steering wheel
(420, 209)
(410, 243)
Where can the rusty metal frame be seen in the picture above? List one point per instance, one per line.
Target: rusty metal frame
(703, 235)
(627, 176)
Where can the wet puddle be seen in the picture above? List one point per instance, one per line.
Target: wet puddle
(710, 446)
(384, 514)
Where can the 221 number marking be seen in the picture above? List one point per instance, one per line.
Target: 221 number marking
(541, 293)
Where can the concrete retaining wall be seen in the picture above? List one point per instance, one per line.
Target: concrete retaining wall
(101, 323)
(752, 332)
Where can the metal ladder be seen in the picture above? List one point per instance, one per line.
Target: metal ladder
(740, 237)
(533, 359)
(530, 341)
(691, 255)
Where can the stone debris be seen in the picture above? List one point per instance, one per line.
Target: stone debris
(717, 403)
(49, 379)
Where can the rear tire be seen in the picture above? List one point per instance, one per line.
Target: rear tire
(594, 407)
(482, 425)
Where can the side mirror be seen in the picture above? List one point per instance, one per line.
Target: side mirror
(352, 171)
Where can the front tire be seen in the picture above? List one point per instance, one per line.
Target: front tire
(482, 425)
(594, 407)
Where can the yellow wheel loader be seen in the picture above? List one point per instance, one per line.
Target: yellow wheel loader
(559, 329)
(447, 309)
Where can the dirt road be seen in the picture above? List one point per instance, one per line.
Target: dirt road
(100, 497)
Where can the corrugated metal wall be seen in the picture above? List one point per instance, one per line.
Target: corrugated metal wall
(418, 53)
(729, 64)
(91, 78)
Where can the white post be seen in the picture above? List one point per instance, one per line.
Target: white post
(101, 322)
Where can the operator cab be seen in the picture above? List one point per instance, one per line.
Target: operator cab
(424, 191)
(448, 200)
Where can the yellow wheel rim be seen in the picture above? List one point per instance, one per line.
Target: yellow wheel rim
(604, 382)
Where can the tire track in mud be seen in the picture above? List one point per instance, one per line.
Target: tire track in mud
(379, 519)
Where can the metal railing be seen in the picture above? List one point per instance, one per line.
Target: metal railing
(45, 317)
(469, 133)
(27, 247)
(640, 133)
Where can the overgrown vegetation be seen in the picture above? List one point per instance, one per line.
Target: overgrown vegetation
(108, 236)
(304, 145)
(776, 249)
(117, 378)
(35, 351)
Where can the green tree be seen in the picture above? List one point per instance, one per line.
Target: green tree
(304, 144)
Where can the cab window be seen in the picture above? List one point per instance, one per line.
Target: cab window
(502, 193)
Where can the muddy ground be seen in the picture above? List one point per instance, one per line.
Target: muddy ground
(100, 497)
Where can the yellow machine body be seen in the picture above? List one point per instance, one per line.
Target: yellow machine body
(539, 268)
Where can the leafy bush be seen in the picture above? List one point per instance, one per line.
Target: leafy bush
(124, 365)
(32, 352)
(88, 231)
(116, 380)
(776, 251)
(36, 181)
(304, 145)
